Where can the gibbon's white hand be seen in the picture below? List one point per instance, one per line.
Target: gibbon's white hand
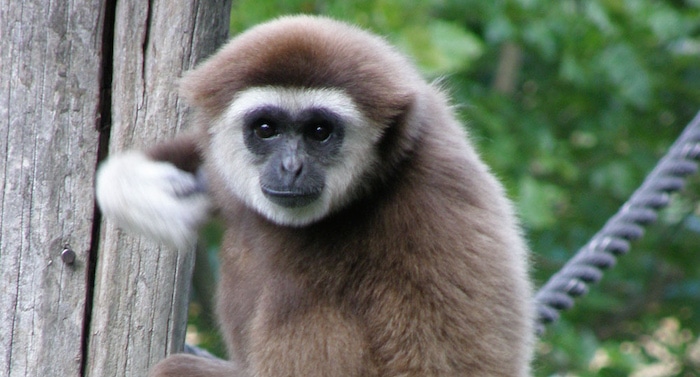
(153, 198)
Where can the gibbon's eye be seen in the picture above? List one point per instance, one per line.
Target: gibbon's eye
(265, 130)
(320, 132)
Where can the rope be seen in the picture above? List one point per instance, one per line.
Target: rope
(626, 225)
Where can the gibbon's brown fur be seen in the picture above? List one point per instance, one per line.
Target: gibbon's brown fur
(423, 273)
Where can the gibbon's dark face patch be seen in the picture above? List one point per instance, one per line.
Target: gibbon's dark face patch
(293, 155)
(294, 150)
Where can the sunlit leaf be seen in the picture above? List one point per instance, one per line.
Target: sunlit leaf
(441, 47)
(623, 67)
(537, 202)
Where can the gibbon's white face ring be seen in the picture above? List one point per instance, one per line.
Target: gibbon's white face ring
(236, 163)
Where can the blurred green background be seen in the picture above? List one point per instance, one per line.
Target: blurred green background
(571, 103)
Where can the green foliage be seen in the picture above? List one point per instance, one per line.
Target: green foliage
(439, 46)
(571, 103)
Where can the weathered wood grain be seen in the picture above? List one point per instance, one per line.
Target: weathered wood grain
(141, 289)
(49, 96)
(52, 64)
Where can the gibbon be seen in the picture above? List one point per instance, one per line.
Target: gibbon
(364, 235)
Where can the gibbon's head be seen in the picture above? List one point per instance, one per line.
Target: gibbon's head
(302, 114)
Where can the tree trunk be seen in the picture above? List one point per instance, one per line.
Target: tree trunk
(78, 79)
(509, 65)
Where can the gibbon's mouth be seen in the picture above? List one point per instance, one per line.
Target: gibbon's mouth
(290, 198)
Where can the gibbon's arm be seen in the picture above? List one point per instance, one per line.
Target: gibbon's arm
(158, 193)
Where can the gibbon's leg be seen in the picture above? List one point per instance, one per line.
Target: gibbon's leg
(194, 366)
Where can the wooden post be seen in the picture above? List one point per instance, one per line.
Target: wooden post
(79, 80)
(49, 104)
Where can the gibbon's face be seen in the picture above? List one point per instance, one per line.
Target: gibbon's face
(293, 154)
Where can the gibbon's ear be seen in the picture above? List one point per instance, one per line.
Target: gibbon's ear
(153, 198)
(402, 133)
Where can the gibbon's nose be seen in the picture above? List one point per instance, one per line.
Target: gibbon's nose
(292, 164)
(292, 161)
